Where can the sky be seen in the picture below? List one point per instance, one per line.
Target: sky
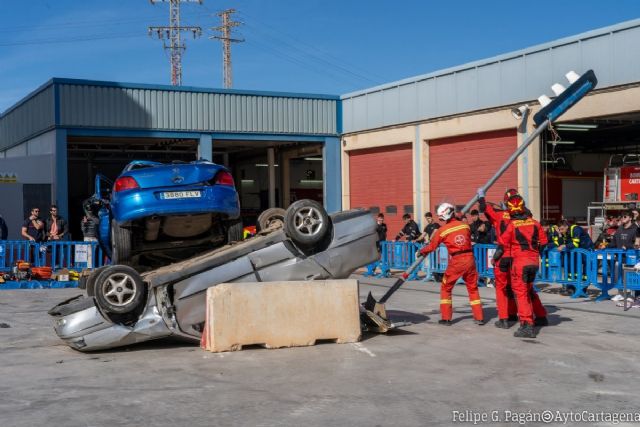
(309, 46)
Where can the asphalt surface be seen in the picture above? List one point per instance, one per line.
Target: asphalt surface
(587, 360)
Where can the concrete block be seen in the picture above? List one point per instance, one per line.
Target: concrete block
(281, 314)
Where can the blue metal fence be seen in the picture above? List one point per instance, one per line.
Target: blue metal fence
(576, 268)
(55, 254)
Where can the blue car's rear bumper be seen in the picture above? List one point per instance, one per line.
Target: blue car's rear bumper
(135, 204)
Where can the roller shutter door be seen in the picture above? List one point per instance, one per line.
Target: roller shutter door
(459, 165)
(383, 178)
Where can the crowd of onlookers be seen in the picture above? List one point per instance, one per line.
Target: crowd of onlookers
(52, 227)
(621, 232)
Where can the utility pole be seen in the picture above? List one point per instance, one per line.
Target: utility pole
(226, 39)
(172, 33)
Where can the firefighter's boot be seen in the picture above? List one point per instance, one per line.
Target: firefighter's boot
(526, 331)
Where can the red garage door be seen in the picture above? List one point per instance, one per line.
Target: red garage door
(459, 165)
(383, 178)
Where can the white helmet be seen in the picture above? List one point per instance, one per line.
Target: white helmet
(445, 211)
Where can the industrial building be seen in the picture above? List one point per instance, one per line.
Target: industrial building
(442, 135)
(54, 142)
(398, 148)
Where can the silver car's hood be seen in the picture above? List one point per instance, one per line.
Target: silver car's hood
(82, 326)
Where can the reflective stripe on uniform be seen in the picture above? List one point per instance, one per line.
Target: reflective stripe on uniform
(456, 228)
(475, 302)
(445, 301)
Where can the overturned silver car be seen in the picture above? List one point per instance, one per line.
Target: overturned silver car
(123, 307)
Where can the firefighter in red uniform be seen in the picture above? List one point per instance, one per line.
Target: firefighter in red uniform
(505, 301)
(456, 236)
(525, 237)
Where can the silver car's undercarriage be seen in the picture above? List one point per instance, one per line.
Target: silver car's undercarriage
(174, 299)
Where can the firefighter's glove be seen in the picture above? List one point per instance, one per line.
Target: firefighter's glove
(497, 255)
(480, 193)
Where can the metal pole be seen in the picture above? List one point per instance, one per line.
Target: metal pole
(271, 160)
(543, 126)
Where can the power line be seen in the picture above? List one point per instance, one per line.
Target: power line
(172, 33)
(306, 49)
(226, 39)
(70, 40)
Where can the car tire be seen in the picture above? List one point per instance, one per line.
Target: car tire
(234, 230)
(90, 281)
(306, 223)
(119, 289)
(120, 244)
(273, 217)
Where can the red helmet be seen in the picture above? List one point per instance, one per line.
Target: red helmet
(515, 204)
(510, 193)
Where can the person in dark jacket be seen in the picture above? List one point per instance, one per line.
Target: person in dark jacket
(574, 237)
(485, 234)
(410, 231)
(4, 231)
(381, 229)
(56, 227)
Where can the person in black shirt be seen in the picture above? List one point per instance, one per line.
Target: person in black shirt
(410, 231)
(627, 233)
(33, 227)
(381, 229)
(429, 229)
(4, 231)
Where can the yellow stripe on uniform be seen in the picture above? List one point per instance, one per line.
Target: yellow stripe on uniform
(475, 302)
(456, 228)
(445, 301)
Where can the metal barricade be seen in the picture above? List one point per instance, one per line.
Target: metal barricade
(15, 250)
(607, 270)
(54, 254)
(483, 254)
(435, 263)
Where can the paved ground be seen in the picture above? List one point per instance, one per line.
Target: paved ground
(587, 360)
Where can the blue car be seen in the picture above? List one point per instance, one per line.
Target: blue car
(156, 213)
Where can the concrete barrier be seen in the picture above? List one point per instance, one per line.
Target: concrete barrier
(281, 314)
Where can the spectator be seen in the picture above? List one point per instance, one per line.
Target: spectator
(381, 229)
(56, 226)
(474, 223)
(33, 227)
(460, 216)
(553, 235)
(410, 231)
(429, 229)
(485, 234)
(635, 217)
(627, 233)
(574, 237)
(4, 231)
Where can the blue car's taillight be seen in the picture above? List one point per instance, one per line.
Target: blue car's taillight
(125, 183)
(224, 178)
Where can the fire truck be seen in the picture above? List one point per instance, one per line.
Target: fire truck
(621, 190)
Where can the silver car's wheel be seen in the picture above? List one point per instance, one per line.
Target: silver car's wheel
(306, 222)
(273, 217)
(119, 289)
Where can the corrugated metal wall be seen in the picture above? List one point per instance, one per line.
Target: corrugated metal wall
(507, 79)
(27, 119)
(134, 108)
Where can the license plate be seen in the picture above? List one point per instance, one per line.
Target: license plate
(181, 194)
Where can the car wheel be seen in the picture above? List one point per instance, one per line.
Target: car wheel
(306, 222)
(120, 244)
(273, 217)
(234, 230)
(90, 281)
(119, 289)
